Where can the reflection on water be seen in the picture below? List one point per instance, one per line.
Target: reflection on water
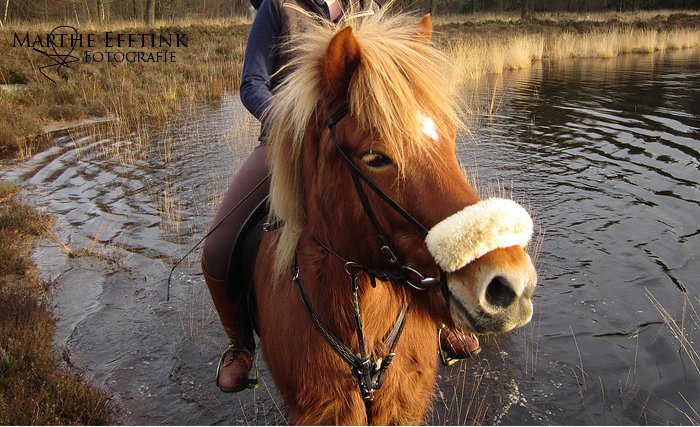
(606, 154)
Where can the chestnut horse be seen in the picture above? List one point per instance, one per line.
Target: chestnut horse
(362, 134)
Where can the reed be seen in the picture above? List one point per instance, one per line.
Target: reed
(522, 51)
(648, 41)
(474, 55)
(683, 329)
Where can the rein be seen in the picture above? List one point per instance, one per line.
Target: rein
(369, 372)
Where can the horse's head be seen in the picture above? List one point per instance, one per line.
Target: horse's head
(395, 134)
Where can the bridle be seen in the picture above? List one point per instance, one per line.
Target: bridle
(369, 372)
(400, 273)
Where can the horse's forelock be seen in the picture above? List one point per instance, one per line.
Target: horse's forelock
(397, 84)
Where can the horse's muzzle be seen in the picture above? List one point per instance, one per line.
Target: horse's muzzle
(490, 276)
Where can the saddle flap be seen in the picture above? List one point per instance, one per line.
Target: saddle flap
(241, 265)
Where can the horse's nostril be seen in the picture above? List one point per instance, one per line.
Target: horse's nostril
(499, 292)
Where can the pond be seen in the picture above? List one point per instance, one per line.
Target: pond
(605, 153)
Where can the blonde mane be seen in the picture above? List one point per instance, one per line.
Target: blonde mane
(400, 78)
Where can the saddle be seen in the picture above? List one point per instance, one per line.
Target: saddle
(241, 264)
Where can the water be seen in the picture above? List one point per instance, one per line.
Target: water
(606, 154)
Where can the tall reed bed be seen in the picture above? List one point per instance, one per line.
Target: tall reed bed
(474, 55)
(556, 18)
(614, 42)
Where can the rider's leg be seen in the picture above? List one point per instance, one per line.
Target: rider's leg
(235, 363)
(230, 217)
(239, 201)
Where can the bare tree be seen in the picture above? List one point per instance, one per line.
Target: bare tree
(7, 9)
(525, 8)
(150, 12)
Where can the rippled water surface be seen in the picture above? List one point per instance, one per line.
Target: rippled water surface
(605, 153)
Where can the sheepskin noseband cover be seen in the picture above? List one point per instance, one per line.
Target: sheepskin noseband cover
(476, 230)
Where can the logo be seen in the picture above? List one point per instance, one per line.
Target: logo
(65, 45)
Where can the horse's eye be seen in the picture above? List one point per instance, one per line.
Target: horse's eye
(376, 160)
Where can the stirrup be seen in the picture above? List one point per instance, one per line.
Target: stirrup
(232, 348)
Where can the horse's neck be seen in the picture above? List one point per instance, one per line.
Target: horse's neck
(331, 297)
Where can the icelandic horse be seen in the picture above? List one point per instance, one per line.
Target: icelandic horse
(363, 110)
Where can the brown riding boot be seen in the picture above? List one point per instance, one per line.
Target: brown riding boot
(456, 345)
(232, 373)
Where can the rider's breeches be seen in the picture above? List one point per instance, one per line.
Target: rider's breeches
(239, 202)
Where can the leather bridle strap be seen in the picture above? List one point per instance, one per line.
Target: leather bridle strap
(332, 122)
(368, 372)
(387, 250)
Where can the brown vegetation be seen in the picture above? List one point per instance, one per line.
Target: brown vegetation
(36, 387)
(138, 95)
(491, 53)
(134, 94)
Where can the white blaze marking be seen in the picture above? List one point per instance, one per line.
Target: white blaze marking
(429, 128)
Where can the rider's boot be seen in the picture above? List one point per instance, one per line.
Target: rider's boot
(232, 374)
(456, 345)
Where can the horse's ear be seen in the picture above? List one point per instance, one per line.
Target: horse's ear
(341, 61)
(425, 29)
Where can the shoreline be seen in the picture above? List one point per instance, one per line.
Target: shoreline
(142, 95)
(33, 373)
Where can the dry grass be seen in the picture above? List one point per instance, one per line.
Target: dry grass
(170, 209)
(135, 95)
(36, 387)
(469, 401)
(682, 329)
(476, 54)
